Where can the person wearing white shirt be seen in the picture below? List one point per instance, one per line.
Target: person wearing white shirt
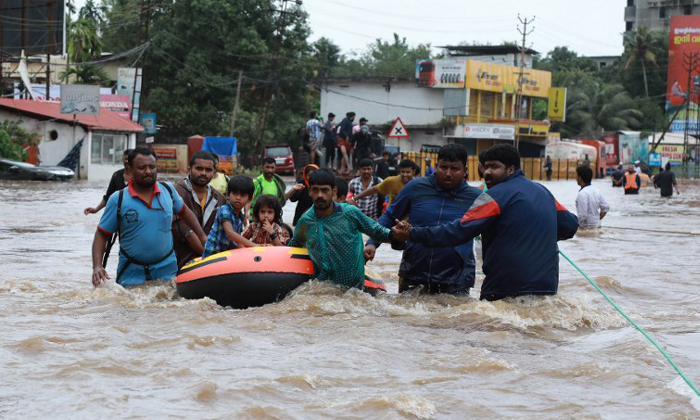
(591, 207)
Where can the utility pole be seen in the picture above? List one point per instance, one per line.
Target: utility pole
(521, 73)
(234, 114)
(269, 88)
(144, 20)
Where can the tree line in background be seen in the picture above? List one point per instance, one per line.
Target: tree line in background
(197, 48)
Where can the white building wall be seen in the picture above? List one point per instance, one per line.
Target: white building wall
(382, 102)
(51, 152)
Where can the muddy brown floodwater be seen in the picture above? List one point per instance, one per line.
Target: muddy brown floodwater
(70, 351)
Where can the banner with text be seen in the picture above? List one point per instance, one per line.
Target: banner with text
(500, 78)
(684, 38)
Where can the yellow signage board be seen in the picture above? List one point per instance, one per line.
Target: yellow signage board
(499, 78)
(672, 152)
(556, 110)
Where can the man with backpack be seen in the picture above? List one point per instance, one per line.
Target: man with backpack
(371, 206)
(142, 214)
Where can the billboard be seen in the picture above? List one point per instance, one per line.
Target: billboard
(670, 153)
(125, 86)
(441, 74)
(80, 99)
(684, 38)
(500, 78)
(35, 26)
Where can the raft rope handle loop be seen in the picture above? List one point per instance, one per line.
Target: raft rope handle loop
(640, 329)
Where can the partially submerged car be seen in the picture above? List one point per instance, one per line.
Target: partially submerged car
(22, 171)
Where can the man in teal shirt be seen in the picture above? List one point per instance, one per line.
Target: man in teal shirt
(332, 233)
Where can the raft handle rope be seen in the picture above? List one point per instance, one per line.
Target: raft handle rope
(640, 329)
(663, 232)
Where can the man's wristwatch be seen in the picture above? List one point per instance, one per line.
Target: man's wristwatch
(274, 235)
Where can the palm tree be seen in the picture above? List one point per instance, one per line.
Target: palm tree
(83, 41)
(85, 74)
(639, 44)
(598, 107)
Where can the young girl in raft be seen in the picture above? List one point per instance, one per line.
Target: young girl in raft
(266, 229)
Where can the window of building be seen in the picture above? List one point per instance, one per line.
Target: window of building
(602, 64)
(687, 10)
(662, 12)
(629, 26)
(630, 3)
(107, 149)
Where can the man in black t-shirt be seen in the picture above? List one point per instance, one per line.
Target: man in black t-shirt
(666, 181)
(617, 177)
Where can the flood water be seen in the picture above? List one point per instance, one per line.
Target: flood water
(70, 351)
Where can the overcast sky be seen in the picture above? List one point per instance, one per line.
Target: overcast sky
(589, 27)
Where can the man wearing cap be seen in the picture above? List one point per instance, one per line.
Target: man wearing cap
(637, 168)
(429, 170)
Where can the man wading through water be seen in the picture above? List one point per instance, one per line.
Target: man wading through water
(520, 223)
(203, 200)
(142, 214)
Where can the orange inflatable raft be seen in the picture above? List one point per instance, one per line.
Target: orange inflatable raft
(247, 277)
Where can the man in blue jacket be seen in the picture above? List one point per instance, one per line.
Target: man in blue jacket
(520, 223)
(431, 201)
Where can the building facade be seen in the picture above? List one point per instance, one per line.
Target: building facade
(460, 100)
(104, 136)
(656, 14)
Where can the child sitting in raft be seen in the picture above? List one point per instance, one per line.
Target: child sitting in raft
(266, 229)
(225, 234)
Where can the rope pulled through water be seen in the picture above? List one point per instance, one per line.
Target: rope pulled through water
(662, 232)
(640, 329)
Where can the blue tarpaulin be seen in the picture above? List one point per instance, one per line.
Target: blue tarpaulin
(222, 146)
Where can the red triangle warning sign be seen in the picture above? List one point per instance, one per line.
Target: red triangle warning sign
(398, 129)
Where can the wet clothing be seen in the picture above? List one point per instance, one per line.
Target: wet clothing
(589, 203)
(205, 215)
(218, 241)
(275, 187)
(335, 243)
(371, 205)
(429, 171)
(116, 183)
(258, 235)
(617, 178)
(631, 182)
(145, 233)
(665, 181)
(426, 204)
(520, 223)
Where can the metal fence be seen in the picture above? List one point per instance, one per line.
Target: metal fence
(562, 169)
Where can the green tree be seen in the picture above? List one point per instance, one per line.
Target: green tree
(563, 59)
(85, 74)
(197, 49)
(12, 137)
(640, 47)
(327, 56)
(594, 107)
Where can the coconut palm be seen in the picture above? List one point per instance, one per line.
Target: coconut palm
(639, 44)
(84, 43)
(85, 74)
(598, 107)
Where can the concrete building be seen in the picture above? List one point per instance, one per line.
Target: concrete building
(655, 14)
(498, 54)
(105, 136)
(603, 61)
(472, 103)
